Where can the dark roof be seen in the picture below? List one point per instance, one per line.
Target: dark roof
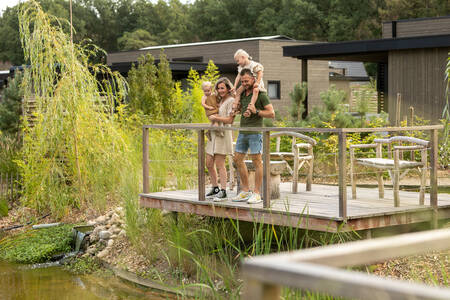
(366, 50)
(352, 68)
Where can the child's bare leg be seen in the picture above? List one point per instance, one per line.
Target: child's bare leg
(237, 98)
(254, 98)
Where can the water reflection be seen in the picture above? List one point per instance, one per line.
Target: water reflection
(24, 282)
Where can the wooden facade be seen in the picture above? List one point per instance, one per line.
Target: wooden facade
(416, 27)
(418, 75)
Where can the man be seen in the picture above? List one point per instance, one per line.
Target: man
(252, 116)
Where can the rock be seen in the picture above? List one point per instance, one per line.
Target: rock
(115, 219)
(91, 249)
(93, 237)
(122, 233)
(100, 220)
(114, 229)
(114, 236)
(104, 235)
(109, 214)
(91, 222)
(103, 253)
(110, 243)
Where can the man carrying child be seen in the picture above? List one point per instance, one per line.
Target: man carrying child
(252, 116)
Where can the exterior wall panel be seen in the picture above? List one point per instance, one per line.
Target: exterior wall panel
(419, 76)
(419, 27)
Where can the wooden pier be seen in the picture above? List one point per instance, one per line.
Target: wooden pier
(325, 208)
(314, 210)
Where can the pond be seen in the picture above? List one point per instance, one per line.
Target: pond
(52, 282)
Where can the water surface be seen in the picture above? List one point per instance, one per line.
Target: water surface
(36, 282)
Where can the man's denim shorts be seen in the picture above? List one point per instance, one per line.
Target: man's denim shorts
(252, 141)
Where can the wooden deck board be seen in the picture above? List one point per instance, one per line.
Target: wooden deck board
(321, 205)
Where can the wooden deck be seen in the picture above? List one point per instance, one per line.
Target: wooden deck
(315, 210)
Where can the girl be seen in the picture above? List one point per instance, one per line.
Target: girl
(245, 61)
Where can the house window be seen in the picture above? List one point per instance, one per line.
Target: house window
(273, 89)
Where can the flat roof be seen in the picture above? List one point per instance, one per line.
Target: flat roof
(272, 37)
(366, 50)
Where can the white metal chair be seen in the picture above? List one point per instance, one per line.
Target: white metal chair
(394, 163)
(297, 154)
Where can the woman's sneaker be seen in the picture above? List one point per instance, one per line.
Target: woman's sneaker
(221, 196)
(213, 192)
(242, 197)
(255, 198)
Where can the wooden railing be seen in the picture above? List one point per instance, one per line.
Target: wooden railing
(342, 161)
(317, 269)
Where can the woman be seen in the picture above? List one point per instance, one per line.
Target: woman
(220, 146)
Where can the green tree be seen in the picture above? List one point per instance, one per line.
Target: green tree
(137, 39)
(298, 97)
(152, 90)
(10, 105)
(74, 153)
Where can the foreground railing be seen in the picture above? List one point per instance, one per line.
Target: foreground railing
(317, 269)
(342, 160)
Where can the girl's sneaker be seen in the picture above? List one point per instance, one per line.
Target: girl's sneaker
(242, 197)
(255, 198)
(221, 196)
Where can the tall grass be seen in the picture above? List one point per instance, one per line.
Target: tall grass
(74, 151)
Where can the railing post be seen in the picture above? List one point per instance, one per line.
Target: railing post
(201, 164)
(266, 169)
(257, 290)
(145, 168)
(342, 175)
(433, 176)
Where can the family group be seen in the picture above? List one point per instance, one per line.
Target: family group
(222, 103)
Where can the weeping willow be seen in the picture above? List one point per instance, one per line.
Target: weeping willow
(74, 150)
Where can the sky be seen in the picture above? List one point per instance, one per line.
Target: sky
(7, 3)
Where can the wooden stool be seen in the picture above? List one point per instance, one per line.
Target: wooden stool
(276, 168)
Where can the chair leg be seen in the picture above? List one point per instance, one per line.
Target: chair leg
(295, 177)
(396, 184)
(423, 178)
(380, 184)
(309, 179)
(396, 179)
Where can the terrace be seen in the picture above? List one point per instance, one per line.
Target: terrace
(324, 208)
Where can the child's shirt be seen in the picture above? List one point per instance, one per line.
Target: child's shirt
(211, 100)
(255, 67)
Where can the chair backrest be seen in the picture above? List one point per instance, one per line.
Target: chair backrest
(419, 143)
(294, 135)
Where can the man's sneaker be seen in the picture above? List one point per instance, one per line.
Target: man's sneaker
(213, 192)
(255, 198)
(242, 197)
(221, 196)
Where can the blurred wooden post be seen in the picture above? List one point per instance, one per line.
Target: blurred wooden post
(397, 109)
(201, 165)
(342, 175)
(145, 168)
(266, 169)
(433, 176)
(257, 290)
